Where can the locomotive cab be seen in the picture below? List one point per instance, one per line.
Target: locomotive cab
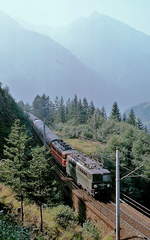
(101, 185)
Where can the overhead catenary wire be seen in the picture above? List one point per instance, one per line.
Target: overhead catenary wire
(137, 175)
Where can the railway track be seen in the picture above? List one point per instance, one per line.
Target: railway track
(128, 200)
(132, 221)
(130, 217)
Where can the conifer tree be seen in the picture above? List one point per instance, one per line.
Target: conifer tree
(132, 118)
(57, 106)
(67, 110)
(139, 124)
(51, 117)
(115, 113)
(37, 106)
(62, 110)
(91, 108)
(75, 107)
(16, 163)
(124, 118)
(103, 112)
(85, 110)
(41, 187)
(81, 112)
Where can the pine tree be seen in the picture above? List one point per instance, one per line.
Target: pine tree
(115, 113)
(91, 108)
(57, 106)
(139, 124)
(41, 107)
(103, 112)
(75, 107)
(51, 117)
(124, 118)
(45, 107)
(62, 110)
(85, 110)
(81, 112)
(132, 118)
(41, 187)
(16, 163)
(37, 106)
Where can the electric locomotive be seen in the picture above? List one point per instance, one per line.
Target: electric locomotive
(86, 172)
(89, 174)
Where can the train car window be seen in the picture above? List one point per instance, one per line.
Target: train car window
(97, 178)
(107, 178)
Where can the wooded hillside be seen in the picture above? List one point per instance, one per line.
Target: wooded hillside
(9, 111)
(77, 118)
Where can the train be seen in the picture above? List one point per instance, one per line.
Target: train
(86, 172)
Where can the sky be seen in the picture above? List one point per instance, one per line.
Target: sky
(56, 13)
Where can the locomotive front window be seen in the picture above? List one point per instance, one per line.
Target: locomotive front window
(97, 178)
(107, 178)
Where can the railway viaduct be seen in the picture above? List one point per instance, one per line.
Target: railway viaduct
(134, 225)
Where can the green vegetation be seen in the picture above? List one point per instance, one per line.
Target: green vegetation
(15, 165)
(10, 230)
(66, 217)
(42, 187)
(86, 146)
(9, 111)
(26, 169)
(76, 120)
(58, 222)
(90, 231)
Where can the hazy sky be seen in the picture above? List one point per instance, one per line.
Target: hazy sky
(59, 12)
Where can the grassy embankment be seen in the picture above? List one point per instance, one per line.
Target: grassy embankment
(85, 146)
(32, 216)
(52, 230)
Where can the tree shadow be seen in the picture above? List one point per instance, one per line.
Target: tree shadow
(82, 210)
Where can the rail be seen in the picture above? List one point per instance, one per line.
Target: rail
(136, 205)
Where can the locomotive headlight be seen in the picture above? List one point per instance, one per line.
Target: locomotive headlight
(95, 186)
(108, 185)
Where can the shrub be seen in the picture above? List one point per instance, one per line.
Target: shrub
(66, 217)
(9, 230)
(90, 232)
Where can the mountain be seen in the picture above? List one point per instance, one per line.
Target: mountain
(31, 63)
(116, 51)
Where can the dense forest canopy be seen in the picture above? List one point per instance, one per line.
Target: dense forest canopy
(78, 118)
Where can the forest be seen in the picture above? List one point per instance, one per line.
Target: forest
(77, 118)
(28, 183)
(32, 204)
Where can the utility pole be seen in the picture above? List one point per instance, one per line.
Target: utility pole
(44, 133)
(117, 196)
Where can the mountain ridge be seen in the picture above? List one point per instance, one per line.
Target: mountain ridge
(116, 50)
(32, 64)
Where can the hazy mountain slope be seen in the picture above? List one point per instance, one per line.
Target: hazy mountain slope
(118, 52)
(31, 63)
(143, 112)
